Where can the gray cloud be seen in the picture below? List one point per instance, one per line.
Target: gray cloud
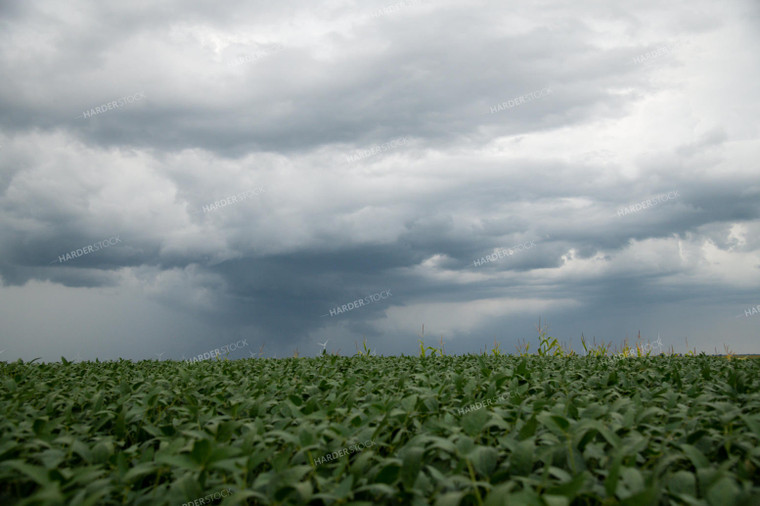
(309, 102)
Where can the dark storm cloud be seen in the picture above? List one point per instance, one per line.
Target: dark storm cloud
(294, 100)
(518, 124)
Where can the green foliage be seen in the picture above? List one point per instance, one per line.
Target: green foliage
(424, 349)
(366, 352)
(595, 350)
(548, 346)
(692, 352)
(474, 429)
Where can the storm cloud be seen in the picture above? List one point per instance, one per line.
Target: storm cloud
(482, 164)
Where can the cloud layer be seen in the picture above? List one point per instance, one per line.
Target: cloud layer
(359, 148)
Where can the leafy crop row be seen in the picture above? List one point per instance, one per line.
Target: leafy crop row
(550, 430)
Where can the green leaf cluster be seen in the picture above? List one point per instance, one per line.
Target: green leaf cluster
(566, 430)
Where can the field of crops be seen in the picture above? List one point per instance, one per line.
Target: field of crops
(446, 430)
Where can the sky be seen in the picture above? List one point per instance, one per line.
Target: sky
(181, 176)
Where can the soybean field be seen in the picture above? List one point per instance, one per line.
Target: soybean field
(364, 430)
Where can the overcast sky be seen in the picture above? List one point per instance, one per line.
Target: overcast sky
(376, 151)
